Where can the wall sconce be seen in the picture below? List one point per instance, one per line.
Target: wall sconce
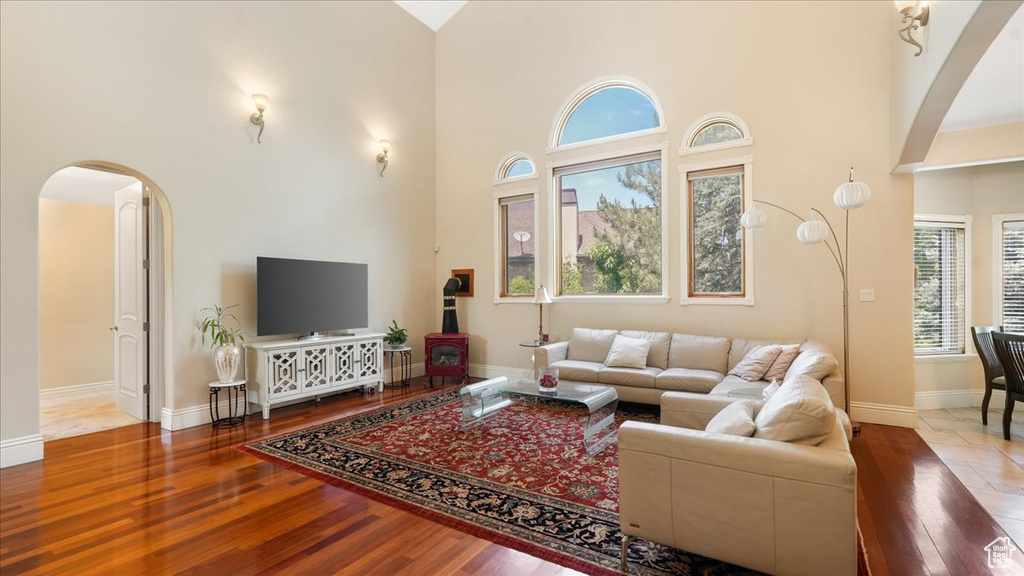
(382, 158)
(261, 101)
(915, 15)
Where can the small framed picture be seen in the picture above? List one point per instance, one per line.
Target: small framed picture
(465, 276)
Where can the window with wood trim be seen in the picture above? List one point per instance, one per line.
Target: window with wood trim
(516, 215)
(604, 110)
(940, 287)
(716, 253)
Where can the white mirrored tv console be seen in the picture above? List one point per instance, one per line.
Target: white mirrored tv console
(288, 370)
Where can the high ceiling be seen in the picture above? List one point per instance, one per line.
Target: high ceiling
(994, 92)
(74, 184)
(433, 13)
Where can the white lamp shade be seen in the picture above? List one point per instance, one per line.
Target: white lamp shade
(385, 145)
(542, 296)
(852, 195)
(902, 5)
(261, 101)
(812, 232)
(753, 218)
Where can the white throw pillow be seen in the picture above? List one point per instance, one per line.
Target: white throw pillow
(813, 363)
(628, 352)
(736, 419)
(756, 363)
(781, 364)
(800, 412)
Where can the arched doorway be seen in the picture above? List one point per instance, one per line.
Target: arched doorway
(104, 254)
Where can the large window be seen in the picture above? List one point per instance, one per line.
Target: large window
(1009, 262)
(940, 286)
(517, 238)
(605, 110)
(610, 226)
(716, 254)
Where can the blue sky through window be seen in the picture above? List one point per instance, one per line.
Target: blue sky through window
(608, 112)
(520, 168)
(592, 185)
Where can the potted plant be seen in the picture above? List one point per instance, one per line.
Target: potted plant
(226, 353)
(396, 337)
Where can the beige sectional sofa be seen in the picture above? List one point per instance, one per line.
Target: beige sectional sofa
(680, 362)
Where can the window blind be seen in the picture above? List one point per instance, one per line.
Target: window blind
(939, 288)
(1013, 276)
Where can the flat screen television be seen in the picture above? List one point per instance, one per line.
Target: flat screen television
(309, 296)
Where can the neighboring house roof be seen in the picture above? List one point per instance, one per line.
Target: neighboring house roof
(589, 223)
(569, 197)
(520, 218)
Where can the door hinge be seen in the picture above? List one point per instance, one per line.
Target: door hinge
(145, 264)
(145, 389)
(145, 326)
(145, 201)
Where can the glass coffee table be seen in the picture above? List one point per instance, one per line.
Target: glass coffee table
(483, 399)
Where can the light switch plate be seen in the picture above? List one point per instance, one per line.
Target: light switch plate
(867, 295)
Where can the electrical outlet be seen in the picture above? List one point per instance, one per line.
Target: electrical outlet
(867, 295)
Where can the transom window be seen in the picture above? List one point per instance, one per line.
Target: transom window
(716, 131)
(940, 287)
(515, 166)
(609, 227)
(716, 238)
(605, 110)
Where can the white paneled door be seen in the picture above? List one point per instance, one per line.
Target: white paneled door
(131, 352)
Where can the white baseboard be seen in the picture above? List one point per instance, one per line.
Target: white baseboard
(488, 371)
(76, 390)
(21, 450)
(967, 398)
(888, 414)
(181, 418)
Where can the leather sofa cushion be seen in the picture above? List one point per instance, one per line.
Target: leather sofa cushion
(639, 378)
(800, 412)
(742, 346)
(699, 352)
(730, 383)
(578, 370)
(590, 345)
(660, 341)
(688, 380)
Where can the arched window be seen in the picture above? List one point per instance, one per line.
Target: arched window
(715, 132)
(605, 110)
(515, 166)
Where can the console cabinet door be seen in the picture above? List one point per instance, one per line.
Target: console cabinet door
(315, 373)
(370, 360)
(343, 363)
(283, 373)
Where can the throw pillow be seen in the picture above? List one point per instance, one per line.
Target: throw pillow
(628, 352)
(800, 412)
(756, 363)
(736, 419)
(781, 364)
(812, 363)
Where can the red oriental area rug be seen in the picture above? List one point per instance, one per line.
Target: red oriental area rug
(521, 479)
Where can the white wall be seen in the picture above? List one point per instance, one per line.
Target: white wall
(980, 192)
(816, 99)
(163, 88)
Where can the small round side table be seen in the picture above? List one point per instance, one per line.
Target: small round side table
(236, 392)
(404, 354)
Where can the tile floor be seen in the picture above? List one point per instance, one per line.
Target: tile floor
(80, 414)
(990, 467)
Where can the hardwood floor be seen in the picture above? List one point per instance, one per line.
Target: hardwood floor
(142, 500)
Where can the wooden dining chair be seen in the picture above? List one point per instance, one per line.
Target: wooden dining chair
(1010, 351)
(993, 370)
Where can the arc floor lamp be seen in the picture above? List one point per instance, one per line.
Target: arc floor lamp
(848, 196)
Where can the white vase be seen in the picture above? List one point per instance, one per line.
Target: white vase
(226, 359)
